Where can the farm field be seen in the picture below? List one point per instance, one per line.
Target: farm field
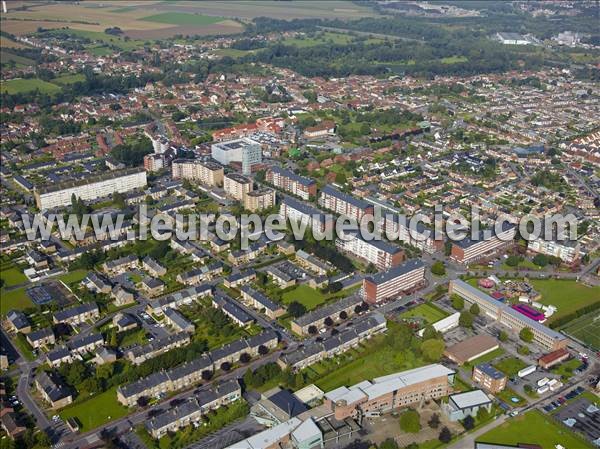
(68, 79)
(586, 329)
(8, 58)
(16, 86)
(536, 428)
(95, 411)
(177, 18)
(429, 312)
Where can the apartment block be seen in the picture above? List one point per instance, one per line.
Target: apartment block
(293, 210)
(336, 311)
(395, 227)
(90, 188)
(343, 204)
(260, 199)
(245, 152)
(380, 253)
(287, 180)
(469, 250)
(489, 378)
(394, 281)
(206, 172)
(567, 250)
(237, 186)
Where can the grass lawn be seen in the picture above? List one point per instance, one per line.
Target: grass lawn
(14, 299)
(95, 411)
(566, 295)
(16, 86)
(133, 337)
(565, 369)
(508, 394)
(73, 277)
(323, 38)
(453, 60)
(232, 52)
(429, 312)
(533, 427)
(586, 329)
(510, 366)
(179, 18)
(486, 358)
(13, 276)
(24, 348)
(305, 295)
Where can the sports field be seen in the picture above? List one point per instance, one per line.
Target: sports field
(16, 86)
(586, 329)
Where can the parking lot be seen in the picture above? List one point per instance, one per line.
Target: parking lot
(582, 416)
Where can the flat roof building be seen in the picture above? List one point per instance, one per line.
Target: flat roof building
(245, 151)
(393, 282)
(471, 348)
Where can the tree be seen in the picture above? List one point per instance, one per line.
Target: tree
(526, 335)
(438, 268)
(328, 322)
(389, 443)
(541, 260)
(335, 287)
(434, 421)
(445, 435)
(371, 269)
(343, 315)
(263, 350)
(248, 378)
(206, 375)
(119, 200)
(245, 357)
(512, 261)
(409, 421)
(429, 332)
(457, 302)
(225, 366)
(466, 319)
(433, 349)
(296, 309)
(142, 401)
(474, 309)
(312, 329)
(469, 422)
(523, 350)
(502, 336)
(483, 414)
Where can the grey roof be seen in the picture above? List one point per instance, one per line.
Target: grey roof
(53, 386)
(229, 306)
(80, 342)
(469, 399)
(328, 310)
(18, 319)
(63, 315)
(158, 344)
(121, 261)
(305, 209)
(259, 297)
(491, 371)
(40, 334)
(58, 354)
(293, 176)
(361, 204)
(394, 272)
(177, 318)
(468, 241)
(241, 275)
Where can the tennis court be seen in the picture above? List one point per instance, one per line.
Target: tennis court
(586, 329)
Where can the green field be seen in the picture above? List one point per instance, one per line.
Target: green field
(305, 295)
(510, 366)
(428, 312)
(73, 277)
(453, 60)
(535, 428)
(12, 276)
(565, 369)
(320, 39)
(20, 61)
(14, 299)
(179, 18)
(586, 329)
(16, 86)
(95, 411)
(486, 358)
(566, 295)
(68, 79)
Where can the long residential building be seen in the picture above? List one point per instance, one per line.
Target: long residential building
(315, 351)
(208, 173)
(343, 204)
(237, 186)
(192, 410)
(294, 210)
(287, 180)
(470, 250)
(380, 253)
(336, 311)
(190, 373)
(394, 281)
(90, 188)
(396, 227)
(568, 251)
(503, 313)
(138, 354)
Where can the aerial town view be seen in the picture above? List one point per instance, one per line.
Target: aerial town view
(298, 224)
